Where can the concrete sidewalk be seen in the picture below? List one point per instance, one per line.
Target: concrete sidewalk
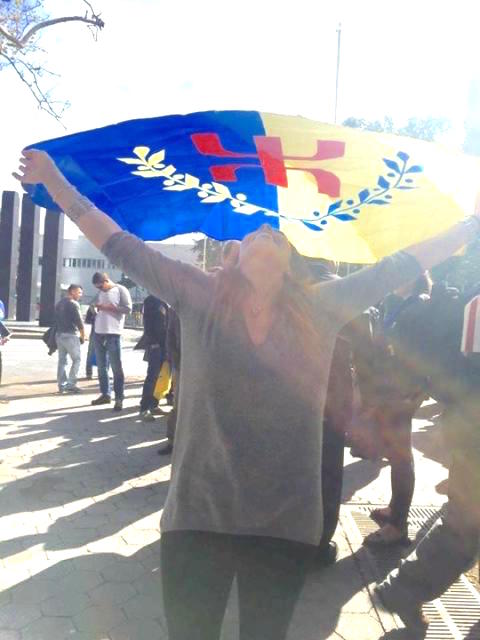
(82, 490)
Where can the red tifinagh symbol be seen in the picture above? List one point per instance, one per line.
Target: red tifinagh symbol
(271, 160)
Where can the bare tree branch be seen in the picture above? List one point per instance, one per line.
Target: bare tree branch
(94, 21)
(42, 98)
(9, 37)
(19, 46)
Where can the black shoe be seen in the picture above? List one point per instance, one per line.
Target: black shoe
(118, 406)
(409, 611)
(327, 555)
(166, 450)
(101, 400)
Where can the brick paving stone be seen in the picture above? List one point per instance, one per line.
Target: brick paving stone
(139, 630)
(144, 607)
(81, 580)
(65, 604)
(33, 591)
(150, 583)
(99, 619)
(145, 536)
(9, 634)
(16, 616)
(123, 570)
(51, 628)
(112, 593)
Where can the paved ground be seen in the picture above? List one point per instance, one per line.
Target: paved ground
(82, 490)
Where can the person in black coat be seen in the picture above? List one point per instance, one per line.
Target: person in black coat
(155, 313)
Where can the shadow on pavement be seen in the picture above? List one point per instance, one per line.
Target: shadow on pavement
(95, 458)
(358, 475)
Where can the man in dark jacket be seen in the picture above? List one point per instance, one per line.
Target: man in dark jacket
(155, 314)
(173, 356)
(70, 335)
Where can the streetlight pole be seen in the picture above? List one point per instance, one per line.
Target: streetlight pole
(204, 260)
(339, 37)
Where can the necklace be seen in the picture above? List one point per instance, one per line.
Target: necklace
(256, 310)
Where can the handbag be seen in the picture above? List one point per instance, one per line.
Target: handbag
(164, 381)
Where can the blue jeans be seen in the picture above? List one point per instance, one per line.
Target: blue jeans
(108, 352)
(68, 344)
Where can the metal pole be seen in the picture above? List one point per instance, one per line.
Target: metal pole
(339, 33)
(205, 253)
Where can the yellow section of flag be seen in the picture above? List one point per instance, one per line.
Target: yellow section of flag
(393, 192)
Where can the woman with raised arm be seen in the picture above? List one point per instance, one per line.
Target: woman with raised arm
(257, 339)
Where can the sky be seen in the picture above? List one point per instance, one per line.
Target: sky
(399, 59)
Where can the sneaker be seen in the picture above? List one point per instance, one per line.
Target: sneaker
(73, 389)
(118, 406)
(147, 416)
(102, 400)
(158, 411)
(166, 450)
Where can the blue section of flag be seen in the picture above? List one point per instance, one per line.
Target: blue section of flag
(89, 160)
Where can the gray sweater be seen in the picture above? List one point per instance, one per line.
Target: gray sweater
(247, 456)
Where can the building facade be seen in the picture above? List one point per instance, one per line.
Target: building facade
(81, 259)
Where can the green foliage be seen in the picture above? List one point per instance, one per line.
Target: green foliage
(421, 128)
(213, 252)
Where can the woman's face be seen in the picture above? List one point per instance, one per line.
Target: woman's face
(266, 245)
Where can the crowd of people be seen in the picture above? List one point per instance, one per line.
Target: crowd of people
(263, 401)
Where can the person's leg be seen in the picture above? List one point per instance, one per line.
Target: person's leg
(172, 416)
(114, 348)
(167, 449)
(90, 352)
(62, 362)
(155, 360)
(101, 355)
(270, 577)
(197, 574)
(73, 346)
(403, 471)
(332, 480)
(395, 422)
(448, 549)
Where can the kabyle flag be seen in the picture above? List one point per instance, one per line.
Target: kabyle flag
(336, 192)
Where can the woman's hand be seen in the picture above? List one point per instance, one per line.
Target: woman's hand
(36, 167)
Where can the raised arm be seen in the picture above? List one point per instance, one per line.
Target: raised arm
(36, 167)
(348, 297)
(170, 280)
